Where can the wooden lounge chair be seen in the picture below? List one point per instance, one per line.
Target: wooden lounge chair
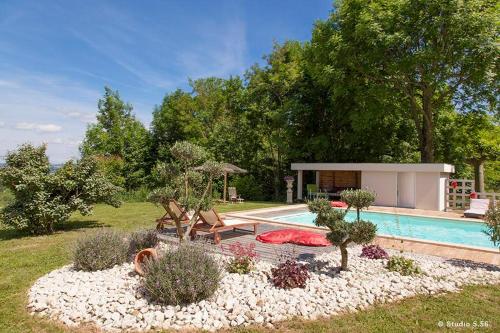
(233, 196)
(211, 222)
(172, 207)
(478, 208)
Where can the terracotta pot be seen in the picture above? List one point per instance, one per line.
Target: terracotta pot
(141, 257)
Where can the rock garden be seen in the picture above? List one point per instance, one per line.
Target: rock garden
(197, 285)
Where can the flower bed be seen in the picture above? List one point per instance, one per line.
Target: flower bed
(113, 299)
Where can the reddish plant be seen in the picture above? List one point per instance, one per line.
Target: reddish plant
(243, 258)
(374, 252)
(290, 274)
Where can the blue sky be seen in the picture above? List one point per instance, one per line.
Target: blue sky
(56, 56)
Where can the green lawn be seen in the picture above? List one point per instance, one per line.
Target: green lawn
(24, 258)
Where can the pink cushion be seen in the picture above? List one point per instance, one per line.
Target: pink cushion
(338, 204)
(294, 236)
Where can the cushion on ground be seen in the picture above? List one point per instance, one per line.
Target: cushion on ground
(338, 204)
(294, 236)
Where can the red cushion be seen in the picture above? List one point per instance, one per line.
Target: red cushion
(338, 204)
(294, 236)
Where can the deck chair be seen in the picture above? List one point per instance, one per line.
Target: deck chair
(168, 219)
(233, 196)
(312, 189)
(478, 208)
(211, 222)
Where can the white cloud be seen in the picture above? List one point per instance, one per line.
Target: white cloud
(38, 127)
(84, 117)
(2, 124)
(67, 142)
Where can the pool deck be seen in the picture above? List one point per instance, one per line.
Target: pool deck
(451, 251)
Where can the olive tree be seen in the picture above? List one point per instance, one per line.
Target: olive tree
(43, 199)
(342, 232)
(359, 199)
(187, 179)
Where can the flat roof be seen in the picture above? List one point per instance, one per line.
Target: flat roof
(401, 167)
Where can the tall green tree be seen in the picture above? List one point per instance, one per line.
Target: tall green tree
(118, 133)
(479, 142)
(426, 52)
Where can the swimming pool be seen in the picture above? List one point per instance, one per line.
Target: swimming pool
(426, 228)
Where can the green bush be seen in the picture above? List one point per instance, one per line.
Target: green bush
(182, 276)
(492, 218)
(143, 239)
(139, 195)
(43, 199)
(404, 266)
(247, 187)
(101, 250)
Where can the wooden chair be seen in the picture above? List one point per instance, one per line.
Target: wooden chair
(211, 222)
(172, 207)
(233, 196)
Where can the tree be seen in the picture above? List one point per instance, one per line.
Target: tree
(426, 52)
(187, 179)
(43, 199)
(479, 142)
(359, 199)
(342, 233)
(118, 133)
(271, 90)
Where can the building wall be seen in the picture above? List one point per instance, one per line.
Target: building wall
(406, 189)
(429, 191)
(384, 184)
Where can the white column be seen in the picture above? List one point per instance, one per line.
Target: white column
(317, 180)
(299, 184)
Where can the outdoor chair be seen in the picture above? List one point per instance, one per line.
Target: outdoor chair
(233, 196)
(478, 208)
(211, 222)
(172, 207)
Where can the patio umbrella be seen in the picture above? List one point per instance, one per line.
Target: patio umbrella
(228, 168)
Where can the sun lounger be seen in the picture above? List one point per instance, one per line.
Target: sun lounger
(172, 207)
(211, 222)
(478, 208)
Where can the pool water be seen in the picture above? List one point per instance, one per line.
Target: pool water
(427, 228)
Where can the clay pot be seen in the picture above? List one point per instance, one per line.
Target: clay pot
(141, 256)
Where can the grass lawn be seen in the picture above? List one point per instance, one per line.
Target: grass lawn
(24, 258)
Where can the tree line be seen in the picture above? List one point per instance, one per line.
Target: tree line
(379, 81)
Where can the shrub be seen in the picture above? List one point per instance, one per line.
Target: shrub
(243, 258)
(41, 198)
(248, 187)
(492, 218)
(290, 274)
(341, 232)
(143, 239)
(404, 266)
(374, 252)
(182, 276)
(100, 251)
(139, 195)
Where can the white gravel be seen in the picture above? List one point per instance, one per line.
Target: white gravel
(112, 299)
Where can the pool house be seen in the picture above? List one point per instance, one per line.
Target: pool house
(409, 185)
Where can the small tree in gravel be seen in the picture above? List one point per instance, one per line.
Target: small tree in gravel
(342, 232)
(492, 218)
(43, 199)
(359, 199)
(187, 179)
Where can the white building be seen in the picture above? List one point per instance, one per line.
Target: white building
(419, 185)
